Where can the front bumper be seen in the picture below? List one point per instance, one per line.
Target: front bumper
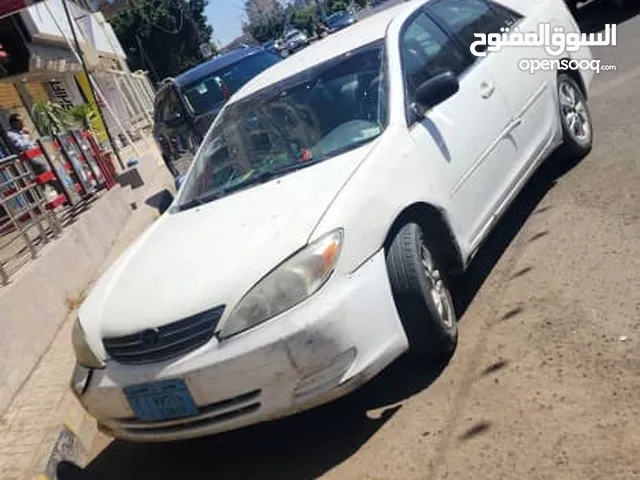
(316, 352)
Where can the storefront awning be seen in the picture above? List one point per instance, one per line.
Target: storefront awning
(52, 58)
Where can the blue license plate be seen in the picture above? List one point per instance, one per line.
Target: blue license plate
(163, 400)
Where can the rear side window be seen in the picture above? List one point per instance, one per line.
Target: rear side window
(468, 17)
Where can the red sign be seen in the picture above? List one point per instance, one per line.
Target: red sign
(9, 7)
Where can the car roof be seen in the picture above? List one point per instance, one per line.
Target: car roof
(364, 32)
(207, 68)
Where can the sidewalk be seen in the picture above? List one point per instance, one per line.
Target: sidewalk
(44, 423)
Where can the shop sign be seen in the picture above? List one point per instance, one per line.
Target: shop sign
(60, 94)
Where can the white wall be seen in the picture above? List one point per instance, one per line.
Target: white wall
(100, 35)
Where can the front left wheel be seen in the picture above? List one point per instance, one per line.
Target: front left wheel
(421, 293)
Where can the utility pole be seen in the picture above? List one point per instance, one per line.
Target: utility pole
(85, 69)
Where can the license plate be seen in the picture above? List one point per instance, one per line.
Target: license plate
(163, 400)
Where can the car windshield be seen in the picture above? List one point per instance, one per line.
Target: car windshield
(212, 91)
(291, 34)
(313, 116)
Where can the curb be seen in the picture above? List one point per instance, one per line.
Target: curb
(73, 437)
(71, 442)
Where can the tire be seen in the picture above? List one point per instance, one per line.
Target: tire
(577, 127)
(421, 294)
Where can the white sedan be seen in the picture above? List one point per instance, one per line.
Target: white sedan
(312, 240)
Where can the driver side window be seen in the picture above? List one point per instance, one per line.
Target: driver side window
(427, 51)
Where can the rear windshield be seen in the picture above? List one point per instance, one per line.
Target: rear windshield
(211, 92)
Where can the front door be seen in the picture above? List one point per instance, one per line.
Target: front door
(467, 139)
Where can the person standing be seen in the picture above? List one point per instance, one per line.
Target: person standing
(18, 135)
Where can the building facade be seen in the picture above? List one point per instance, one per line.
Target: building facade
(41, 65)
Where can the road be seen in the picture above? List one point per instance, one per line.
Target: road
(545, 381)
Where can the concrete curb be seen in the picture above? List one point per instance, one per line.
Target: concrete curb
(73, 436)
(73, 441)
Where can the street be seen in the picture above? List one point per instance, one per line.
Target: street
(545, 379)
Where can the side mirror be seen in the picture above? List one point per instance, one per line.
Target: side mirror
(435, 91)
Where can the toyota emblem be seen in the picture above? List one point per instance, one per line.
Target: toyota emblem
(150, 337)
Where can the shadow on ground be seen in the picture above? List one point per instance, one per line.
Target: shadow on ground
(526, 204)
(310, 444)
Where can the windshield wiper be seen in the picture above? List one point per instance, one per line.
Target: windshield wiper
(202, 199)
(268, 175)
(262, 177)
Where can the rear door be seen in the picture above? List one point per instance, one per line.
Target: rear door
(529, 95)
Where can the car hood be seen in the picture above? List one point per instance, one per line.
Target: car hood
(211, 255)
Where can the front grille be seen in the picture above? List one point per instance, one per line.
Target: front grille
(166, 342)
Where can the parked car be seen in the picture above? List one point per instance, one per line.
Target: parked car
(295, 40)
(315, 236)
(339, 20)
(274, 46)
(185, 106)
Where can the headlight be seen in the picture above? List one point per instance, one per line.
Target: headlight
(293, 281)
(84, 354)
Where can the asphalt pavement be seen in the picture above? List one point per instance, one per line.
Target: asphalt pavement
(544, 383)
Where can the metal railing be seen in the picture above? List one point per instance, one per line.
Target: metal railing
(26, 224)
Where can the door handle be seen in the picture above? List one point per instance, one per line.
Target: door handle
(487, 89)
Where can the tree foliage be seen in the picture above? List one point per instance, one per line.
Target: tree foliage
(305, 19)
(336, 6)
(269, 28)
(163, 36)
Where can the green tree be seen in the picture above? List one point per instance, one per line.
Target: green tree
(163, 36)
(336, 6)
(267, 29)
(305, 19)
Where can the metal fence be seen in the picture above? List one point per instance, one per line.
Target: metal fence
(45, 188)
(25, 223)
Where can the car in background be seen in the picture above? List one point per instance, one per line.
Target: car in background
(185, 106)
(295, 40)
(274, 46)
(339, 20)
